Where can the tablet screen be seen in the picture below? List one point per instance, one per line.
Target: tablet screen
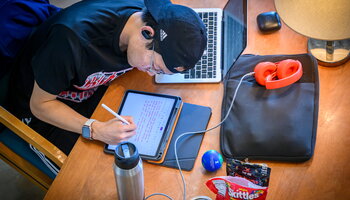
(152, 114)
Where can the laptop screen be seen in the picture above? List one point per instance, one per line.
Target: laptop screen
(234, 32)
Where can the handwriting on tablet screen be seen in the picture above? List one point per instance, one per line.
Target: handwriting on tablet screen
(150, 114)
(148, 119)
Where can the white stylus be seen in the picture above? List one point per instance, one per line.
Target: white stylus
(115, 114)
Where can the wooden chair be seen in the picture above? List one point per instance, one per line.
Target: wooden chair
(11, 152)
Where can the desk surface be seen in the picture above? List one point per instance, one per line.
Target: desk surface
(88, 174)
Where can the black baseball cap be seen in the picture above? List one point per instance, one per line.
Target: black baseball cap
(180, 32)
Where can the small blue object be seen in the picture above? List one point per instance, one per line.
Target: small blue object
(212, 160)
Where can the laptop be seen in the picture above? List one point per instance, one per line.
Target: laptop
(227, 38)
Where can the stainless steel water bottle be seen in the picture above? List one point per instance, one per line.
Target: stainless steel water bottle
(128, 172)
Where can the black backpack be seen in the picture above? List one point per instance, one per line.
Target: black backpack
(278, 124)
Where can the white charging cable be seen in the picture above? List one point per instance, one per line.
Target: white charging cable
(203, 131)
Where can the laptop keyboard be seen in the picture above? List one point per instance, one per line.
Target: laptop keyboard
(205, 67)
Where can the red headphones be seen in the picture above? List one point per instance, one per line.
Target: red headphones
(279, 74)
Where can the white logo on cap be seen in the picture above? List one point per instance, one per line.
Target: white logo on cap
(162, 34)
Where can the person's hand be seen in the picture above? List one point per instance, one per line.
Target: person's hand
(113, 131)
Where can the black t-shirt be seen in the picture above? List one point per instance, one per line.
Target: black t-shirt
(74, 52)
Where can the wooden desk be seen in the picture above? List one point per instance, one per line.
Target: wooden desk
(87, 173)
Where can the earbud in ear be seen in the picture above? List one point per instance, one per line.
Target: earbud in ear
(146, 34)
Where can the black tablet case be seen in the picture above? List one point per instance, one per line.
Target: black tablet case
(192, 118)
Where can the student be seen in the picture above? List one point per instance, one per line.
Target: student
(65, 68)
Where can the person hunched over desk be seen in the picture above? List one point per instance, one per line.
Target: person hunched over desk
(63, 70)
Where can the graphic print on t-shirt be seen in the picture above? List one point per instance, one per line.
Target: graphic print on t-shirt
(90, 86)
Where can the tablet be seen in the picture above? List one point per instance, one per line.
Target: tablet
(155, 116)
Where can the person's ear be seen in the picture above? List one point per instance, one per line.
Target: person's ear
(147, 32)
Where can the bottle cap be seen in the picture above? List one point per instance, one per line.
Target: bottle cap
(126, 155)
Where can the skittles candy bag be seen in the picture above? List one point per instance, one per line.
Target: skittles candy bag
(235, 188)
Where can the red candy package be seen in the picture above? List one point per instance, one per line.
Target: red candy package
(235, 188)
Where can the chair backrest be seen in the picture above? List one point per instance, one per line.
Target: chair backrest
(13, 154)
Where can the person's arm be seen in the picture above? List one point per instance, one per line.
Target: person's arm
(47, 108)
